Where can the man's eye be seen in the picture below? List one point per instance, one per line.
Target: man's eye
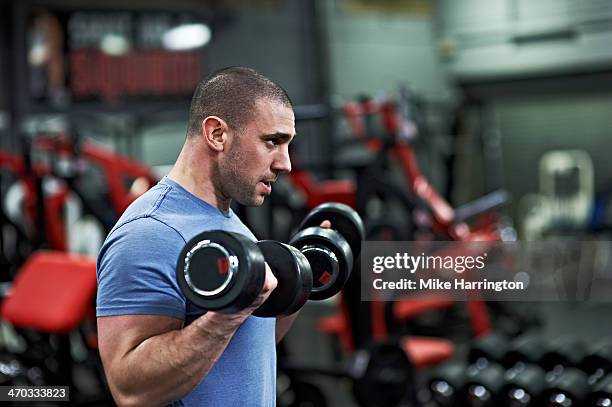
(272, 142)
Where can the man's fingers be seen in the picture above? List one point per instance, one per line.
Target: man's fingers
(270, 282)
(326, 224)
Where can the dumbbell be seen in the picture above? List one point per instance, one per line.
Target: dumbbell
(381, 374)
(573, 386)
(448, 383)
(485, 375)
(602, 393)
(545, 374)
(525, 380)
(331, 252)
(299, 393)
(225, 271)
(477, 383)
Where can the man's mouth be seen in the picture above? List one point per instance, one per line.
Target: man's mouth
(267, 185)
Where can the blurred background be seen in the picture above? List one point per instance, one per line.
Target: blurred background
(436, 120)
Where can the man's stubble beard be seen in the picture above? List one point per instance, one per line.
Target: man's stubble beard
(233, 182)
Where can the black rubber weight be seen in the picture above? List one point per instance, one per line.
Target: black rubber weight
(343, 218)
(294, 276)
(327, 279)
(245, 284)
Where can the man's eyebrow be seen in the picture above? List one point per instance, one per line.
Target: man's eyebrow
(277, 136)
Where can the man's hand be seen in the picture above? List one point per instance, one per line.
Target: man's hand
(270, 284)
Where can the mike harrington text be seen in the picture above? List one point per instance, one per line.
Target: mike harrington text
(438, 284)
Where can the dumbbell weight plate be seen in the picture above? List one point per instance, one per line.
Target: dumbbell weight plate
(491, 348)
(484, 385)
(571, 388)
(302, 394)
(343, 219)
(564, 351)
(382, 375)
(221, 271)
(292, 270)
(447, 384)
(602, 393)
(528, 348)
(598, 358)
(524, 386)
(330, 258)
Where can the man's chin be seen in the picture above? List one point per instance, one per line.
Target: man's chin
(256, 201)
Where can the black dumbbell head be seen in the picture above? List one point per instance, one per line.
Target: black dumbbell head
(343, 218)
(598, 359)
(330, 258)
(602, 393)
(221, 271)
(292, 270)
(570, 389)
(528, 348)
(381, 374)
(563, 351)
(447, 384)
(484, 386)
(490, 348)
(524, 386)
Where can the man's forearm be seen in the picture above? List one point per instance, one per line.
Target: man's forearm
(167, 367)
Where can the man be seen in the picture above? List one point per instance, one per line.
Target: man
(156, 347)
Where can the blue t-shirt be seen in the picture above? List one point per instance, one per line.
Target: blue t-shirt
(136, 275)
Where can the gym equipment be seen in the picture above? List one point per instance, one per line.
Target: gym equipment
(301, 393)
(330, 252)
(225, 271)
(525, 380)
(561, 375)
(566, 195)
(568, 389)
(525, 384)
(572, 386)
(563, 352)
(448, 383)
(396, 141)
(294, 276)
(490, 348)
(599, 360)
(483, 387)
(56, 198)
(381, 374)
(602, 393)
(53, 326)
(456, 383)
(527, 349)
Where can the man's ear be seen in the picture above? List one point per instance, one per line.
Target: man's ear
(215, 132)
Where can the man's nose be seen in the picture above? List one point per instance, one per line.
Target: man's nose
(282, 162)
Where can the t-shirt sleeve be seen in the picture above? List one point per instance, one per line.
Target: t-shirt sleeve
(136, 271)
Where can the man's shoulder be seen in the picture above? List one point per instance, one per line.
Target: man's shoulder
(145, 205)
(146, 227)
(162, 209)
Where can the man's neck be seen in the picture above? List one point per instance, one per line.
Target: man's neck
(196, 177)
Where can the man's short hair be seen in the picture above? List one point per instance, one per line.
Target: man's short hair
(231, 94)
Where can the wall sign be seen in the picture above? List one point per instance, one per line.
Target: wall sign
(113, 56)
